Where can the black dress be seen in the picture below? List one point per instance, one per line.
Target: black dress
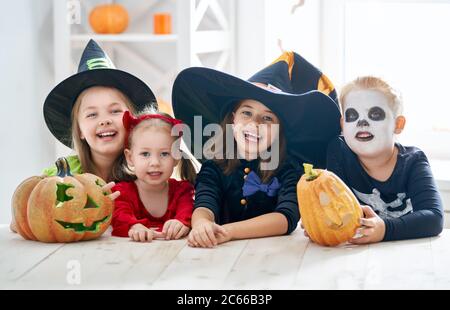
(223, 194)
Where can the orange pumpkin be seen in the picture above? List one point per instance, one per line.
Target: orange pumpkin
(330, 212)
(63, 208)
(164, 106)
(109, 19)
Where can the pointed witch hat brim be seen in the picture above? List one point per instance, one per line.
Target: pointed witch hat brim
(305, 102)
(95, 69)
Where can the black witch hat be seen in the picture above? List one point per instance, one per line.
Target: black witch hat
(95, 69)
(301, 96)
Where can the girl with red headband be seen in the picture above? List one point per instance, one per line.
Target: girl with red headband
(151, 203)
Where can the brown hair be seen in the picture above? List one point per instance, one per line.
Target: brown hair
(80, 146)
(374, 83)
(185, 169)
(229, 165)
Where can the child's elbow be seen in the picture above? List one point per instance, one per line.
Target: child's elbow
(437, 224)
(291, 226)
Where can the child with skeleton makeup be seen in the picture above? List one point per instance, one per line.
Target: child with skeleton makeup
(393, 183)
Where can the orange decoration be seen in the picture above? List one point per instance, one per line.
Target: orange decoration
(62, 208)
(330, 212)
(164, 106)
(109, 19)
(162, 23)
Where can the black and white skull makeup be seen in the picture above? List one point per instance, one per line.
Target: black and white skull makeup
(369, 122)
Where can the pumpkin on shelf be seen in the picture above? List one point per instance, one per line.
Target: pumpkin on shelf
(62, 208)
(109, 19)
(329, 211)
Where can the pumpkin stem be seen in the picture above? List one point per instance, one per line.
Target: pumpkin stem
(63, 167)
(311, 174)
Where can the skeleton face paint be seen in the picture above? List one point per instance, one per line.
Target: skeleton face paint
(369, 122)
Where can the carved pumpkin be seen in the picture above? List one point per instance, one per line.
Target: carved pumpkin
(63, 208)
(330, 212)
(109, 19)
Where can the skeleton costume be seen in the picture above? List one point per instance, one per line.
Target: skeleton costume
(408, 201)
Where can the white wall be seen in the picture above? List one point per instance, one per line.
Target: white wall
(26, 78)
(250, 37)
(260, 23)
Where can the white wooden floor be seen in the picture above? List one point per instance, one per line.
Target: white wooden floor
(287, 262)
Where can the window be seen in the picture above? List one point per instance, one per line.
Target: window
(406, 43)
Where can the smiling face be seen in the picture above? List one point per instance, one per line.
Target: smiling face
(255, 128)
(100, 120)
(369, 124)
(151, 154)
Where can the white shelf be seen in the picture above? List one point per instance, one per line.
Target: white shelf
(130, 49)
(125, 37)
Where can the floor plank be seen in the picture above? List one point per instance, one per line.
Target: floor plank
(284, 262)
(268, 263)
(19, 256)
(198, 268)
(440, 249)
(107, 263)
(400, 265)
(327, 268)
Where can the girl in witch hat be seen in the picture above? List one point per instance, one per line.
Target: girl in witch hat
(282, 116)
(84, 112)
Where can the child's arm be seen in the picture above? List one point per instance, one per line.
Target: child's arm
(271, 224)
(185, 203)
(283, 221)
(204, 229)
(209, 188)
(179, 226)
(287, 203)
(123, 216)
(426, 220)
(208, 199)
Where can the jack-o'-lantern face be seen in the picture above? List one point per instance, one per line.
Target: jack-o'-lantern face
(67, 208)
(81, 207)
(330, 212)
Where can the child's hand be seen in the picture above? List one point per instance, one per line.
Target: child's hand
(107, 188)
(174, 229)
(203, 234)
(140, 233)
(372, 229)
(223, 236)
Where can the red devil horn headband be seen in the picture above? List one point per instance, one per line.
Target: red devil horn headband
(130, 121)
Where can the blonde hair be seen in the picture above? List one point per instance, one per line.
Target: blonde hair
(374, 83)
(185, 168)
(221, 158)
(80, 146)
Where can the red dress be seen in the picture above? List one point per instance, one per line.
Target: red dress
(129, 209)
